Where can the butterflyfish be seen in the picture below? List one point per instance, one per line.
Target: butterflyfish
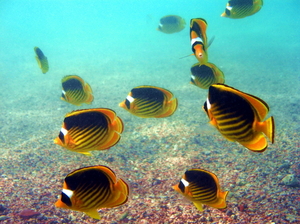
(76, 91)
(204, 75)
(171, 24)
(150, 101)
(90, 129)
(237, 9)
(90, 188)
(240, 117)
(41, 60)
(199, 39)
(202, 188)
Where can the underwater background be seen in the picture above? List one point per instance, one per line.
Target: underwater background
(114, 46)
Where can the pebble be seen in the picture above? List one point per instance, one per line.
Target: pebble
(3, 217)
(2, 208)
(28, 213)
(290, 180)
(241, 183)
(229, 212)
(292, 218)
(285, 166)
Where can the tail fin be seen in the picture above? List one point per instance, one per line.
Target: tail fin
(171, 108)
(269, 128)
(211, 41)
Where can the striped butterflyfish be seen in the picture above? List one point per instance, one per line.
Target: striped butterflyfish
(240, 117)
(90, 188)
(76, 91)
(150, 101)
(171, 24)
(237, 9)
(199, 39)
(204, 75)
(41, 60)
(90, 129)
(202, 187)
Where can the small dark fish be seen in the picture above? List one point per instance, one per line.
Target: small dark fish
(199, 39)
(90, 188)
(90, 129)
(204, 75)
(237, 9)
(239, 117)
(76, 91)
(171, 24)
(150, 101)
(41, 60)
(202, 187)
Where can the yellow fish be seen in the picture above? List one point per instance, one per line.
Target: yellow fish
(90, 129)
(76, 91)
(240, 116)
(90, 188)
(202, 187)
(237, 9)
(150, 101)
(41, 60)
(199, 39)
(171, 24)
(204, 75)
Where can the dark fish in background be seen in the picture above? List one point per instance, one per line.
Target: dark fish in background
(150, 101)
(171, 24)
(202, 187)
(240, 117)
(199, 39)
(90, 129)
(237, 9)
(76, 91)
(204, 75)
(41, 60)
(90, 188)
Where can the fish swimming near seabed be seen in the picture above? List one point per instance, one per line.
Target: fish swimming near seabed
(90, 188)
(204, 75)
(41, 60)
(150, 101)
(76, 91)
(171, 24)
(198, 39)
(240, 117)
(237, 9)
(90, 129)
(202, 187)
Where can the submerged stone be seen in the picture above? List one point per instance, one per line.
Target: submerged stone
(3, 217)
(28, 213)
(290, 180)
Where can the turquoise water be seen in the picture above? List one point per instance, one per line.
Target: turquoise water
(114, 46)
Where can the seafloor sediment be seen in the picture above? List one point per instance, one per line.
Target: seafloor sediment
(152, 157)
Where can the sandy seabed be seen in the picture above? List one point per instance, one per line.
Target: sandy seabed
(152, 156)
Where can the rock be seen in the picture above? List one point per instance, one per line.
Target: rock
(28, 213)
(290, 180)
(229, 212)
(2, 208)
(3, 217)
(241, 183)
(203, 219)
(285, 166)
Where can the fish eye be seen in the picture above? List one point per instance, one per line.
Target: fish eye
(200, 55)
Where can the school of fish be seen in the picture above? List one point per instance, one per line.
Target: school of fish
(238, 116)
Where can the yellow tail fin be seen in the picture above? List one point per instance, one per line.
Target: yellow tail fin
(269, 128)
